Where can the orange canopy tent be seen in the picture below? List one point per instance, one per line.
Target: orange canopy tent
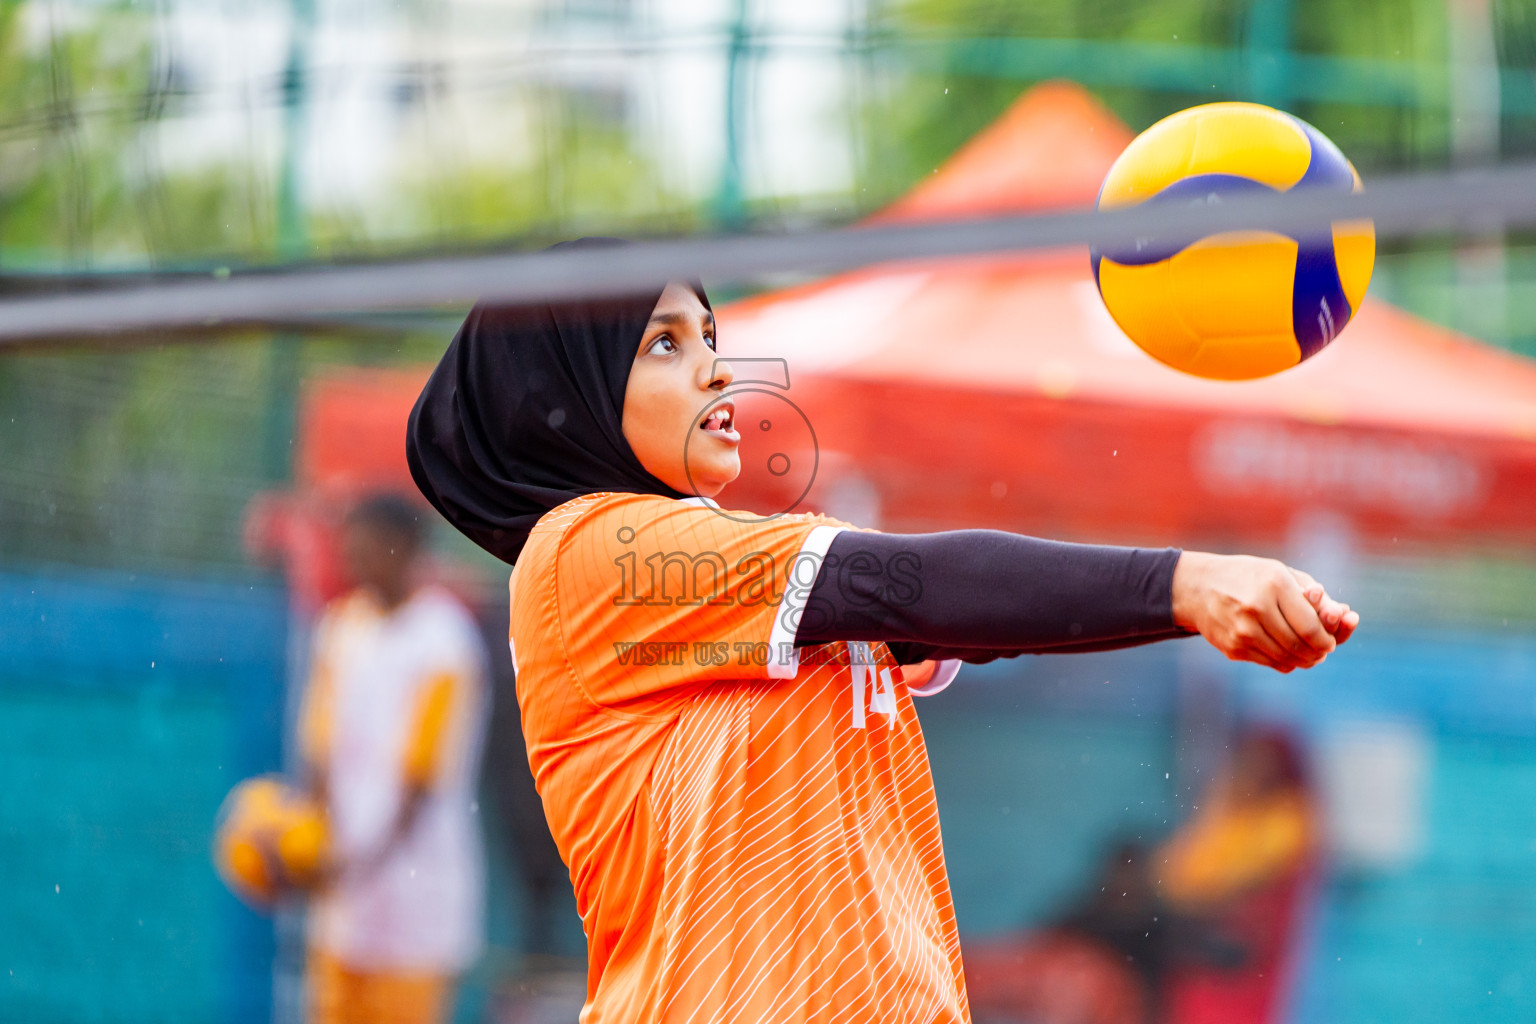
(999, 393)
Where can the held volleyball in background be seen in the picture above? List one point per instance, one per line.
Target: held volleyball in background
(272, 840)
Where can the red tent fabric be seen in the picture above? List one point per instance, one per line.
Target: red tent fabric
(352, 430)
(1000, 393)
(351, 443)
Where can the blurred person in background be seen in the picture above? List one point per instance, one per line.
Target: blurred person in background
(391, 733)
(1089, 966)
(1106, 959)
(1243, 863)
(1198, 931)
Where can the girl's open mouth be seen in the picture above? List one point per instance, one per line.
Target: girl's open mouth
(719, 422)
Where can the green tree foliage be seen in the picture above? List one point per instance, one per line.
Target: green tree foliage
(81, 185)
(1149, 58)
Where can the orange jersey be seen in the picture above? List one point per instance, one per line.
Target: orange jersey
(752, 836)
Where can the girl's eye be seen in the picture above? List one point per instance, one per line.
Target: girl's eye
(709, 339)
(671, 346)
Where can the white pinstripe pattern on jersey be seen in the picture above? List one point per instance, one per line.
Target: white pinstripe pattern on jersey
(709, 910)
(899, 889)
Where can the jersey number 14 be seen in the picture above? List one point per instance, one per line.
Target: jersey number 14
(872, 690)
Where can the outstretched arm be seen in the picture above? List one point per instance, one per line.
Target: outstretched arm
(981, 594)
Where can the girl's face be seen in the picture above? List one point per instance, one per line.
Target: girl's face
(672, 405)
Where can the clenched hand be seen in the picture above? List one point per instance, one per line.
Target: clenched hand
(1259, 610)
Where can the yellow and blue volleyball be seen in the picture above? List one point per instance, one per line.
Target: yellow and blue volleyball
(1240, 304)
(270, 840)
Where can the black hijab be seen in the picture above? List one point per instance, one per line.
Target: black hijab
(525, 412)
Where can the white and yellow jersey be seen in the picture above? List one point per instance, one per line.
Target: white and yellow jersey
(395, 700)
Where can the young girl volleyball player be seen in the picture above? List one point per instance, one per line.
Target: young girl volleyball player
(718, 708)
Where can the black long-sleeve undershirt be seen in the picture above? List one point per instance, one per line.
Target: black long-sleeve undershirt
(978, 595)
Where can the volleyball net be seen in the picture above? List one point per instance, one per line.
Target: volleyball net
(1404, 207)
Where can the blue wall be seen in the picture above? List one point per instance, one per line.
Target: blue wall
(1450, 934)
(128, 708)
